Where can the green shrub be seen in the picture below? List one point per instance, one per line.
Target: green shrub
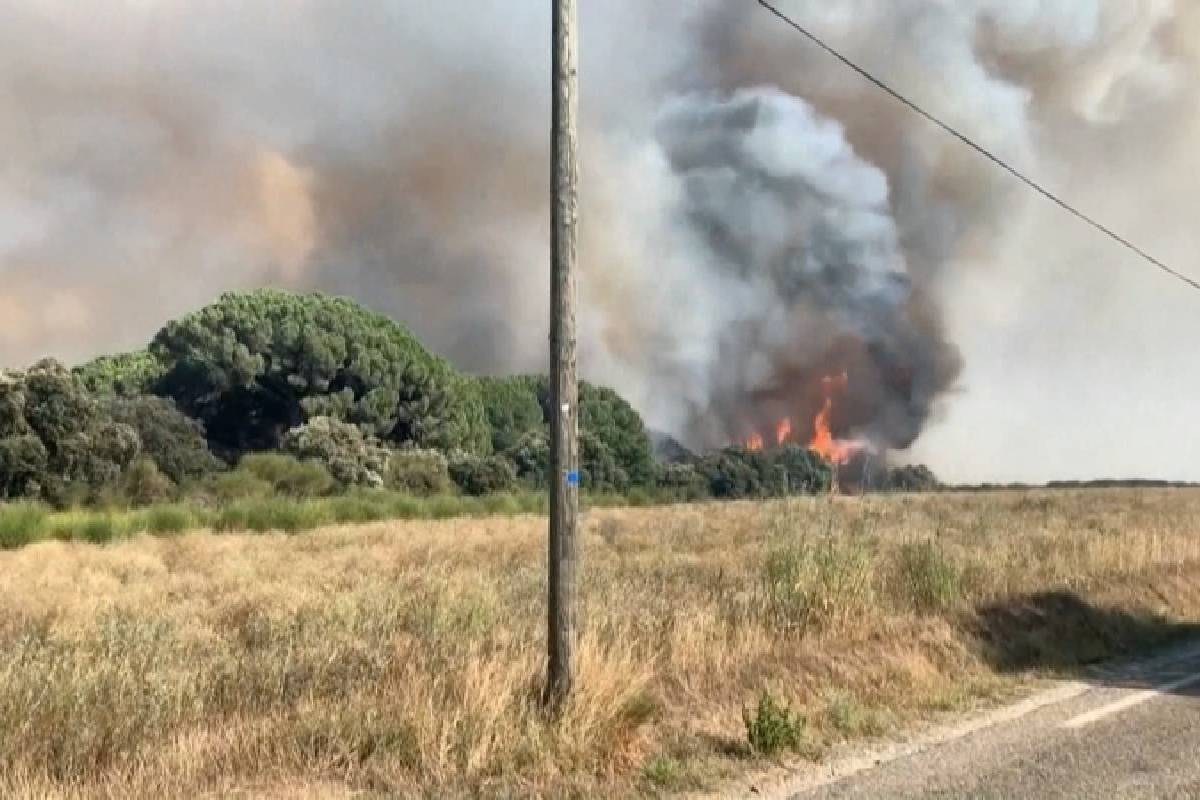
(929, 581)
(912, 478)
(22, 524)
(174, 441)
(501, 504)
(357, 509)
(351, 458)
(237, 485)
(54, 434)
(287, 475)
(402, 506)
(531, 457)
(737, 473)
(169, 520)
(273, 514)
(818, 582)
(444, 507)
(418, 472)
(681, 481)
(663, 772)
(99, 528)
(772, 727)
(483, 475)
(143, 484)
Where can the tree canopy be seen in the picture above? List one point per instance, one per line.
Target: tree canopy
(125, 375)
(254, 365)
(615, 450)
(53, 434)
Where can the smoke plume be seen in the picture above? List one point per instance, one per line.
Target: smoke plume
(755, 216)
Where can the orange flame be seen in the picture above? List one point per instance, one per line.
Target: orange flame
(783, 431)
(823, 441)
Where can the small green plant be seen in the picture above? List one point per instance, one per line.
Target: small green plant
(357, 509)
(663, 772)
(287, 475)
(418, 472)
(772, 727)
(21, 524)
(818, 582)
(850, 717)
(228, 487)
(928, 579)
(99, 529)
(144, 484)
(165, 520)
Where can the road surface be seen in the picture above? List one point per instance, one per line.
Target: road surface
(1128, 732)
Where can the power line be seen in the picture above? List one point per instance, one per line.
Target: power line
(912, 106)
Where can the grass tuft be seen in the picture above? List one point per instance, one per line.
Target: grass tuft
(22, 524)
(772, 727)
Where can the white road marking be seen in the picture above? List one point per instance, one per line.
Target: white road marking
(1083, 720)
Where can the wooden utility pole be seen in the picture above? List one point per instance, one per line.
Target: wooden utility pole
(564, 389)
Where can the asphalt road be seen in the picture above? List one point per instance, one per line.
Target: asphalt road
(1128, 732)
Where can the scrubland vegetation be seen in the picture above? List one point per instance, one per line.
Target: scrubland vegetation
(405, 658)
(353, 396)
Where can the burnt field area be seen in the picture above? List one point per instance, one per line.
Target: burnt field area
(405, 658)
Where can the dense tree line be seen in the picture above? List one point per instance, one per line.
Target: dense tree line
(323, 380)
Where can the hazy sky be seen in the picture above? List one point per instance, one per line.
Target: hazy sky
(156, 152)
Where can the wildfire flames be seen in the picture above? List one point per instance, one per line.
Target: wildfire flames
(823, 442)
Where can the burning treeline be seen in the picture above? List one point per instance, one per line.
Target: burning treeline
(755, 218)
(822, 440)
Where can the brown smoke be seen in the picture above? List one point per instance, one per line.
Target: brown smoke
(158, 152)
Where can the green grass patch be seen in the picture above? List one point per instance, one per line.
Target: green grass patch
(169, 520)
(22, 524)
(929, 581)
(772, 727)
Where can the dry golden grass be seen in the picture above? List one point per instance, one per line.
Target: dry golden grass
(404, 659)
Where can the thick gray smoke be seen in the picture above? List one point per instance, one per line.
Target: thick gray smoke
(807, 235)
(755, 215)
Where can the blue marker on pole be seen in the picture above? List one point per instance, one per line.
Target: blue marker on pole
(573, 478)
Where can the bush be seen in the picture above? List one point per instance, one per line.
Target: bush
(172, 440)
(737, 473)
(169, 520)
(143, 484)
(357, 509)
(819, 583)
(681, 481)
(914, 478)
(287, 475)
(419, 472)
(772, 727)
(53, 434)
(237, 485)
(929, 581)
(99, 528)
(351, 458)
(531, 458)
(479, 476)
(599, 469)
(21, 524)
(273, 514)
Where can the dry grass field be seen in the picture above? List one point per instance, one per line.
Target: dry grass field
(403, 659)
